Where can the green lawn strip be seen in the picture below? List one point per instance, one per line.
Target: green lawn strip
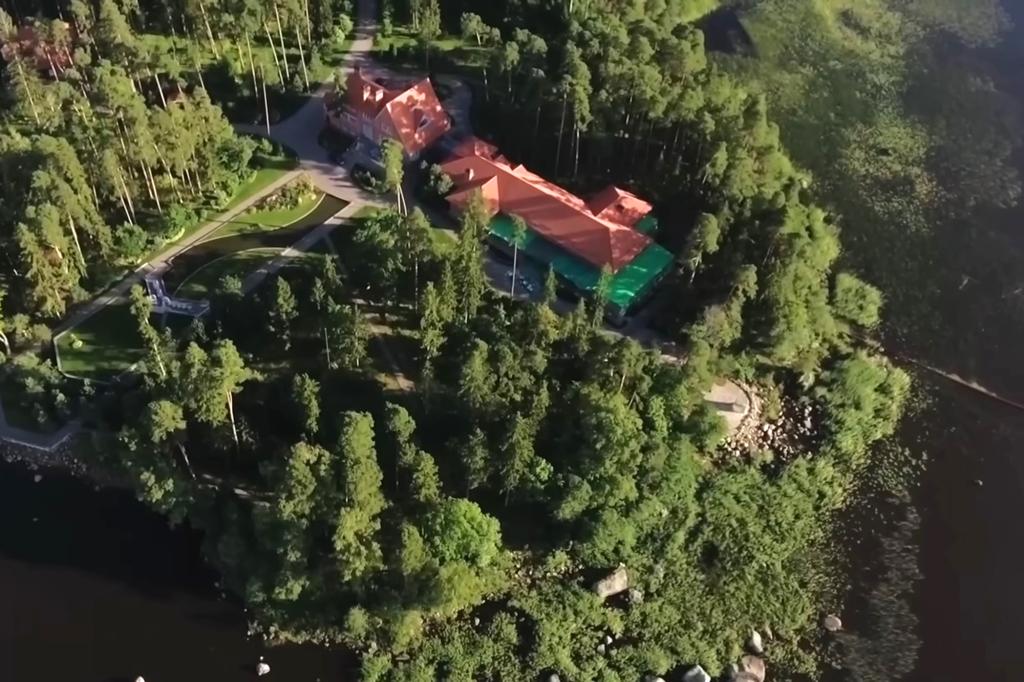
(263, 221)
(109, 344)
(203, 282)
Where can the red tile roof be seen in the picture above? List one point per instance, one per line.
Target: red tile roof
(474, 146)
(619, 206)
(551, 211)
(27, 44)
(412, 114)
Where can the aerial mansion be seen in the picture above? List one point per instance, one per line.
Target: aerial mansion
(576, 238)
(374, 108)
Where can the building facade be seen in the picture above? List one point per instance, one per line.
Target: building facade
(577, 239)
(374, 108)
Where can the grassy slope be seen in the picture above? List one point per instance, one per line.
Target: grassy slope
(110, 344)
(203, 282)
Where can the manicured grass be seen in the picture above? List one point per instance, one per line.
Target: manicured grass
(110, 344)
(262, 221)
(403, 38)
(444, 240)
(270, 167)
(203, 282)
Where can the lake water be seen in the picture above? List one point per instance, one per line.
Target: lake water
(95, 588)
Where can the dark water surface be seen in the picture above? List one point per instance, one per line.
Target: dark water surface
(972, 544)
(95, 588)
(971, 600)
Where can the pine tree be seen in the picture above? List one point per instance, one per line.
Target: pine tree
(304, 399)
(356, 548)
(281, 312)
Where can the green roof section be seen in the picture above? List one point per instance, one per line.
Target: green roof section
(629, 283)
(647, 225)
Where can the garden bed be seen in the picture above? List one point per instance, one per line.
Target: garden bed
(288, 205)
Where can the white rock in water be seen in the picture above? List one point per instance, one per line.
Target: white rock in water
(262, 668)
(696, 674)
(140, 678)
(832, 623)
(37, 478)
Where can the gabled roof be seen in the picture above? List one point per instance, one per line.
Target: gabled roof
(27, 44)
(551, 211)
(619, 206)
(474, 146)
(413, 111)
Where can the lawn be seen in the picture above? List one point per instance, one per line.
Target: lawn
(449, 53)
(405, 38)
(191, 261)
(109, 344)
(263, 221)
(269, 167)
(203, 282)
(443, 240)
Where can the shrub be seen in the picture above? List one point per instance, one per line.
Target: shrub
(175, 220)
(130, 243)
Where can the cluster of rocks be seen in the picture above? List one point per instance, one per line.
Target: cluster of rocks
(785, 437)
(750, 668)
(61, 457)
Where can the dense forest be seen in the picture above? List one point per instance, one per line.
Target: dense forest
(455, 530)
(134, 109)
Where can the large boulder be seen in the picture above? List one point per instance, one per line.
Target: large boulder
(753, 665)
(614, 583)
(755, 644)
(696, 674)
